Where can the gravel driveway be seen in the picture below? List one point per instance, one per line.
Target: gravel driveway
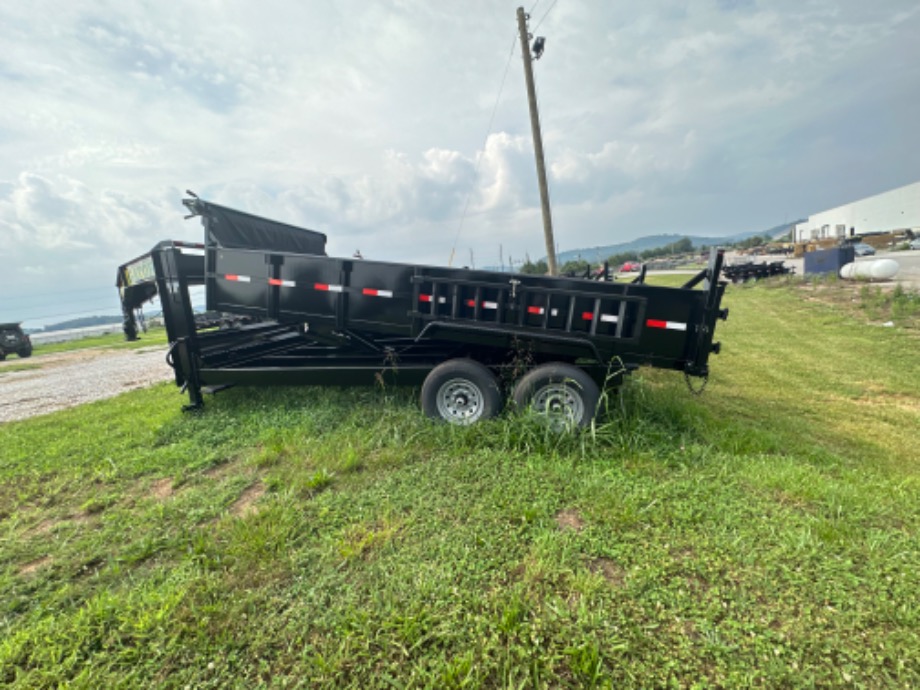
(71, 378)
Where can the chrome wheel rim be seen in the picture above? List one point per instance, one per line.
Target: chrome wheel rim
(460, 401)
(561, 404)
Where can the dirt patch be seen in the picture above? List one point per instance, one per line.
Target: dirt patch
(611, 570)
(161, 489)
(33, 566)
(899, 401)
(569, 519)
(220, 470)
(81, 518)
(41, 528)
(245, 504)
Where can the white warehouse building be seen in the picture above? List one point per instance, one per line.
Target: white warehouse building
(894, 211)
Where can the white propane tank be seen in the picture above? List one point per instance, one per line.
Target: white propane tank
(879, 269)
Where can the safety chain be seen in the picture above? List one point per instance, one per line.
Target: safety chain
(696, 391)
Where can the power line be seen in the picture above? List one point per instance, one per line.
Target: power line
(544, 15)
(481, 154)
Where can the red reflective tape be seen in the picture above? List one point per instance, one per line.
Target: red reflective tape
(424, 298)
(230, 276)
(371, 292)
(654, 323)
(536, 310)
(471, 303)
(240, 279)
(320, 286)
(275, 281)
(587, 315)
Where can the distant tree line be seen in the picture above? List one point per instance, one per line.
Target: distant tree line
(82, 322)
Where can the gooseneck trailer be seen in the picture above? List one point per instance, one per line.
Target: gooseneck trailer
(467, 336)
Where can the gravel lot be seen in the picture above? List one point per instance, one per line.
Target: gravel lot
(72, 378)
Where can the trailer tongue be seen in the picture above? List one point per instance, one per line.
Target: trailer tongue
(464, 334)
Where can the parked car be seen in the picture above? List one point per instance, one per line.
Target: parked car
(914, 244)
(863, 249)
(631, 267)
(12, 339)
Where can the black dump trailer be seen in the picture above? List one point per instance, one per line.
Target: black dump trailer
(467, 337)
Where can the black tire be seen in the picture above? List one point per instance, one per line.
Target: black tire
(25, 352)
(2, 355)
(461, 391)
(565, 394)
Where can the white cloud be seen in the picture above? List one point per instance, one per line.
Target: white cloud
(367, 120)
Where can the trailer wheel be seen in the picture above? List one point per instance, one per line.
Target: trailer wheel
(565, 394)
(461, 391)
(25, 352)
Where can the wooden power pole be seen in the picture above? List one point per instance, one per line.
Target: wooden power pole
(522, 18)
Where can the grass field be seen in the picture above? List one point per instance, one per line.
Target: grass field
(114, 341)
(762, 534)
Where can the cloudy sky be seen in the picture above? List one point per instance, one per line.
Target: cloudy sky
(370, 121)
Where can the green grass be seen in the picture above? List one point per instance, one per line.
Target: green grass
(764, 533)
(116, 341)
(9, 367)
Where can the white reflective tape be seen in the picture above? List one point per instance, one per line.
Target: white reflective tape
(383, 293)
(610, 318)
(554, 312)
(670, 325)
(490, 305)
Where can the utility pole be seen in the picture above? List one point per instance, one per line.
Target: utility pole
(522, 18)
